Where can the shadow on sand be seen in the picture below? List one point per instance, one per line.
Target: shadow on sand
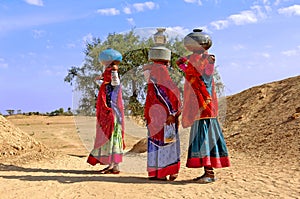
(75, 176)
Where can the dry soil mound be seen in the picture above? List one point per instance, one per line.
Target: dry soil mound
(140, 146)
(18, 147)
(264, 121)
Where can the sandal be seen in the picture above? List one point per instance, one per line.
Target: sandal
(204, 179)
(115, 169)
(173, 177)
(207, 177)
(105, 170)
(110, 171)
(198, 178)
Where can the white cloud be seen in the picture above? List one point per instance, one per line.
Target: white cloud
(35, 2)
(3, 64)
(53, 72)
(32, 54)
(258, 10)
(292, 10)
(140, 7)
(71, 45)
(277, 2)
(221, 24)
(265, 1)
(199, 2)
(253, 15)
(144, 33)
(239, 47)
(266, 55)
(171, 32)
(108, 11)
(235, 65)
(127, 10)
(244, 17)
(292, 52)
(49, 45)
(38, 33)
(131, 21)
(289, 53)
(176, 31)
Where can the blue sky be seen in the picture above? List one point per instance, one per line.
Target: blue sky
(255, 41)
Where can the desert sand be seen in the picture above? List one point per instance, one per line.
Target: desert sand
(45, 157)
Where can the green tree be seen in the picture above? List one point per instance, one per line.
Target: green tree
(61, 111)
(10, 111)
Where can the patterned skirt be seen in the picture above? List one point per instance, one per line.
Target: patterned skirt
(207, 146)
(163, 158)
(111, 151)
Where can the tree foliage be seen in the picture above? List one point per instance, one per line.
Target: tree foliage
(10, 111)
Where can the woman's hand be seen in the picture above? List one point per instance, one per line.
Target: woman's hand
(170, 119)
(98, 77)
(114, 67)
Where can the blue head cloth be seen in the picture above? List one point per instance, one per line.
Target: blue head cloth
(110, 55)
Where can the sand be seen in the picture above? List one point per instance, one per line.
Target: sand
(67, 175)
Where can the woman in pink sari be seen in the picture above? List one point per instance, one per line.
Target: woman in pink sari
(109, 141)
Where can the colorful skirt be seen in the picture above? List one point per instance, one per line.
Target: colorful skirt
(111, 151)
(163, 159)
(207, 147)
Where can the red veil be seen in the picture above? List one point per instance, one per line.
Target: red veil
(105, 115)
(155, 111)
(200, 100)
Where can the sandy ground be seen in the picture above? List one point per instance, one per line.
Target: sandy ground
(67, 175)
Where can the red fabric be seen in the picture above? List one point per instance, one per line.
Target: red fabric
(163, 172)
(104, 160)
(107, 75)
(155, 111)
(92, 161)
(105, 115)
(208, 162)
(195, 91)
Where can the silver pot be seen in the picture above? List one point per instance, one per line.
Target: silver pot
(197, 41)
(159, 53)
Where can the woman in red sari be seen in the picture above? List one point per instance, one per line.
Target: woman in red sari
(162, 109)
(207, 147)
(109, 141)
